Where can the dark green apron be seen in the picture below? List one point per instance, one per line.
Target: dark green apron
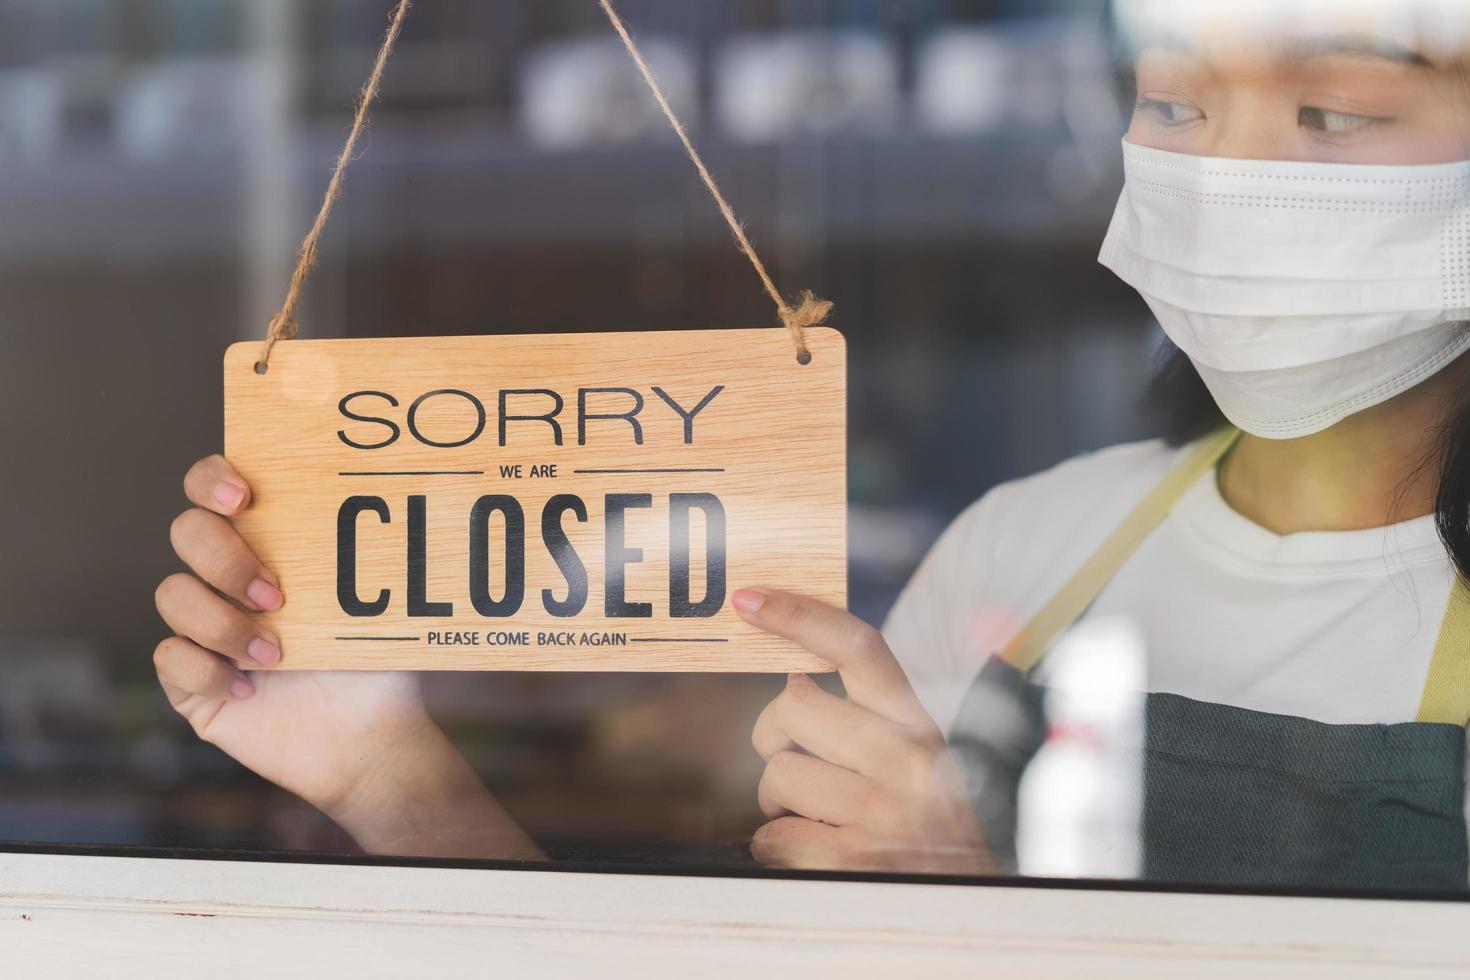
(1240, 797)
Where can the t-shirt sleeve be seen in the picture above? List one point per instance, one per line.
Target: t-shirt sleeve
(932, 627)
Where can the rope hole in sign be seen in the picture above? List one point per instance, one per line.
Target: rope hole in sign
(809, 311)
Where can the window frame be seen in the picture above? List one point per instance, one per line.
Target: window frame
(115, 912)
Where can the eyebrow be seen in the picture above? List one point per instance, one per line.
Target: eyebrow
(1357, 46)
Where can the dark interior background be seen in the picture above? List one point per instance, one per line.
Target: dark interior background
(942, 169)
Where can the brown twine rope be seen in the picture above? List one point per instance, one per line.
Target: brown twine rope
(283, 325)
(809, 311)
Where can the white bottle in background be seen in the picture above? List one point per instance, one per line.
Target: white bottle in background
(1080, 804)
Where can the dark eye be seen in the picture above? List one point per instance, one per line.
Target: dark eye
(1170, 113)
(1327, 121)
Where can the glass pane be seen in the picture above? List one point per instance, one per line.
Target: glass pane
(1157, 514)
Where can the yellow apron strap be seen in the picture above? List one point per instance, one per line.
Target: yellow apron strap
(1447, 689)
(1072, 600)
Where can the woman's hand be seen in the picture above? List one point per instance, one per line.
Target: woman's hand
(865, 783)
(358, 745)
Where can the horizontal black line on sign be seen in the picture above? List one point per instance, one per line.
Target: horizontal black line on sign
(712, 469)
(378, 639)
(674, 639)
(420, 473)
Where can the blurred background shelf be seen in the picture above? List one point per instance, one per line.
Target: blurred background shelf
(413, 190)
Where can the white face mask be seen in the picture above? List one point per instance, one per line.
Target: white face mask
(1302, 292)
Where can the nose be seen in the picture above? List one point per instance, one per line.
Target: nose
(1256, 123)
(1253, 139)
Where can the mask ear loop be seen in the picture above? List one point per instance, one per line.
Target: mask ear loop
(808, 312)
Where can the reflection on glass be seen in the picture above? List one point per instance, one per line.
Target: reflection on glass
(1081, 799)
(1219, 643)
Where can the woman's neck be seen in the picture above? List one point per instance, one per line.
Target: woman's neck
(1374, 468)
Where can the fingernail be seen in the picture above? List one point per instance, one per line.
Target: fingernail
(229, 495)
(265, 595)
(747, 600)
(241, 688)
(264, 652)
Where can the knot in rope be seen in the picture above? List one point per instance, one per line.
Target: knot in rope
(810, 312)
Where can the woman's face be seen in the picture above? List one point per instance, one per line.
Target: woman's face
(1329, 98)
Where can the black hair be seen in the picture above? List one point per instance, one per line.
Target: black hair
(1452, 500)
(1184, 410)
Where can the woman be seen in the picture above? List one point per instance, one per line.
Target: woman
(1297, 215)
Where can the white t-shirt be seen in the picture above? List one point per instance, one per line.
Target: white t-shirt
(1334, 626)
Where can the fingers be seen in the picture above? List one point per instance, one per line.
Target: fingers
(192, 610)
(210, 545)
(212, 483)
(805, 716)
(186, 670)
(804, 785)
(869, 670)
(794, 842)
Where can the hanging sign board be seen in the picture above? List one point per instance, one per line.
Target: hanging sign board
(548, 502)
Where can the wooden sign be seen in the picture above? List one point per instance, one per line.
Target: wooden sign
(547, 502)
